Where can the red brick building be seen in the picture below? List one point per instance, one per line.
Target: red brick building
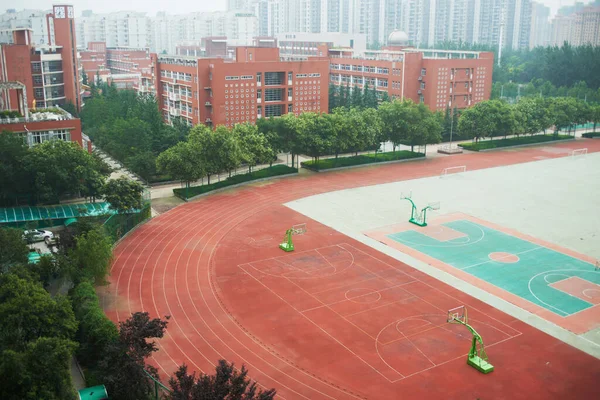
(216, 91)
(38, 126)
(93, 62)
(50, 73)
(439, 78)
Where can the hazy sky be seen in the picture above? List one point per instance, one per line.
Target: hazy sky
(172, 7)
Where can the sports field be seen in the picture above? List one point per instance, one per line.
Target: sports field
(342, 317)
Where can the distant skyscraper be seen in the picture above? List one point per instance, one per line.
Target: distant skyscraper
(540, 25)
(579, 28)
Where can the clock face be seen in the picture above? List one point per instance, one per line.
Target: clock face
(59, 12)
(70, 12)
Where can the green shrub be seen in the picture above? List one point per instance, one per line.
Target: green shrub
(362, 159)
(95, 331)
(493, 144)
(10, 114)
(590, 135)
(275, 170)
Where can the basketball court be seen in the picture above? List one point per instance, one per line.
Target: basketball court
(394, 323)
(560, 285)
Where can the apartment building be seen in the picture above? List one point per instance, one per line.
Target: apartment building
(540, 25)
(217, 91)
(578, 28)
(439, 78)
(50, 72)
(32, 19)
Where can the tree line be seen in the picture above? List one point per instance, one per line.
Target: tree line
(531, 115)
(345, 130)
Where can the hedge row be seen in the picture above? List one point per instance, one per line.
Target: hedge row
(590, 135)
(275, 170)
(517, 141)
(340, 162)
(95, 331)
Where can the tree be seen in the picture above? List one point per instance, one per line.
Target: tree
(84, 77)
(123, 365)
(13, 249)
(356, 97)
(91, 257)
(41, 370)
(333, 97)
(479, 121)
(143, 164)
(57, 168)
(123, 194)
(395, 117)
(28, 312)
(370, 96)
(595, 116)
(227, 383)
(182, 162)
(255, 148)
(13, 177)
(70, 108)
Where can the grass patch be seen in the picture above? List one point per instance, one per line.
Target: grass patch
(494, 144)
(275, 170)
(329, 163)
(590, 135)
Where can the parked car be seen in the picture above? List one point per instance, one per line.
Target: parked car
(38, 235)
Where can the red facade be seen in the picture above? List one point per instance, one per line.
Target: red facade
(257, 84)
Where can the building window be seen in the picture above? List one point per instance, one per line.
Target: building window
(259, 77)
(290, 75)
(36, 66)
(290, 92)
(273, 110)
(422, 85)
(259, 93)
(273, 94)
(290, 108)
(423, 71)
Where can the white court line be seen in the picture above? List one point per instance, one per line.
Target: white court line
(489, 261)
(458, 244)
(556, 308)
(589, 290)
(318, 326)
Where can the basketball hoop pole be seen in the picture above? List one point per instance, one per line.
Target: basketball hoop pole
(476, 359)
(413, 213)
(287, 244)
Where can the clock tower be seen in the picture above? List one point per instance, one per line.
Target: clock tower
(63, 19)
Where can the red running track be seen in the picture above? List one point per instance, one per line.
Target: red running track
(335, 319)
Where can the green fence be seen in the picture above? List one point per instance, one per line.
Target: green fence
(118, 225)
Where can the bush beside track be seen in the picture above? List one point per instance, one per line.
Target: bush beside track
(270, 172)
(523, 140)
(362, 159)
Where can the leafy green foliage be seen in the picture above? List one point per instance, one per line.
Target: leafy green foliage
(130, 128)
(123, 194)
(35, 340)
(46, 172)
(28, 312)
(13, 249)
(227, 383)
(122, 365)
(361, 159)
(39, 371)
(275, 170)
(493, 144)
(91, 257)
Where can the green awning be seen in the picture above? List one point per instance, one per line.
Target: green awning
(27, 214)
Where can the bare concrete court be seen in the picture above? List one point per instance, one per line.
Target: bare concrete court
(551, 200)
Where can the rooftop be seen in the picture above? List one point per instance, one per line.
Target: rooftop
(41, 114)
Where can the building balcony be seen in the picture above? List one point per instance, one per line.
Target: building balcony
(174, 111)
(174, 97)
(208, 104)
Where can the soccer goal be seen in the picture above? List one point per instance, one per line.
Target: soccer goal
(579, 152)
(453, 170)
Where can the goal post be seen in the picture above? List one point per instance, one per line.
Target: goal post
(579, 152)
(453, 170)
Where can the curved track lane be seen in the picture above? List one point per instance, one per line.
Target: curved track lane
(185, 263)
